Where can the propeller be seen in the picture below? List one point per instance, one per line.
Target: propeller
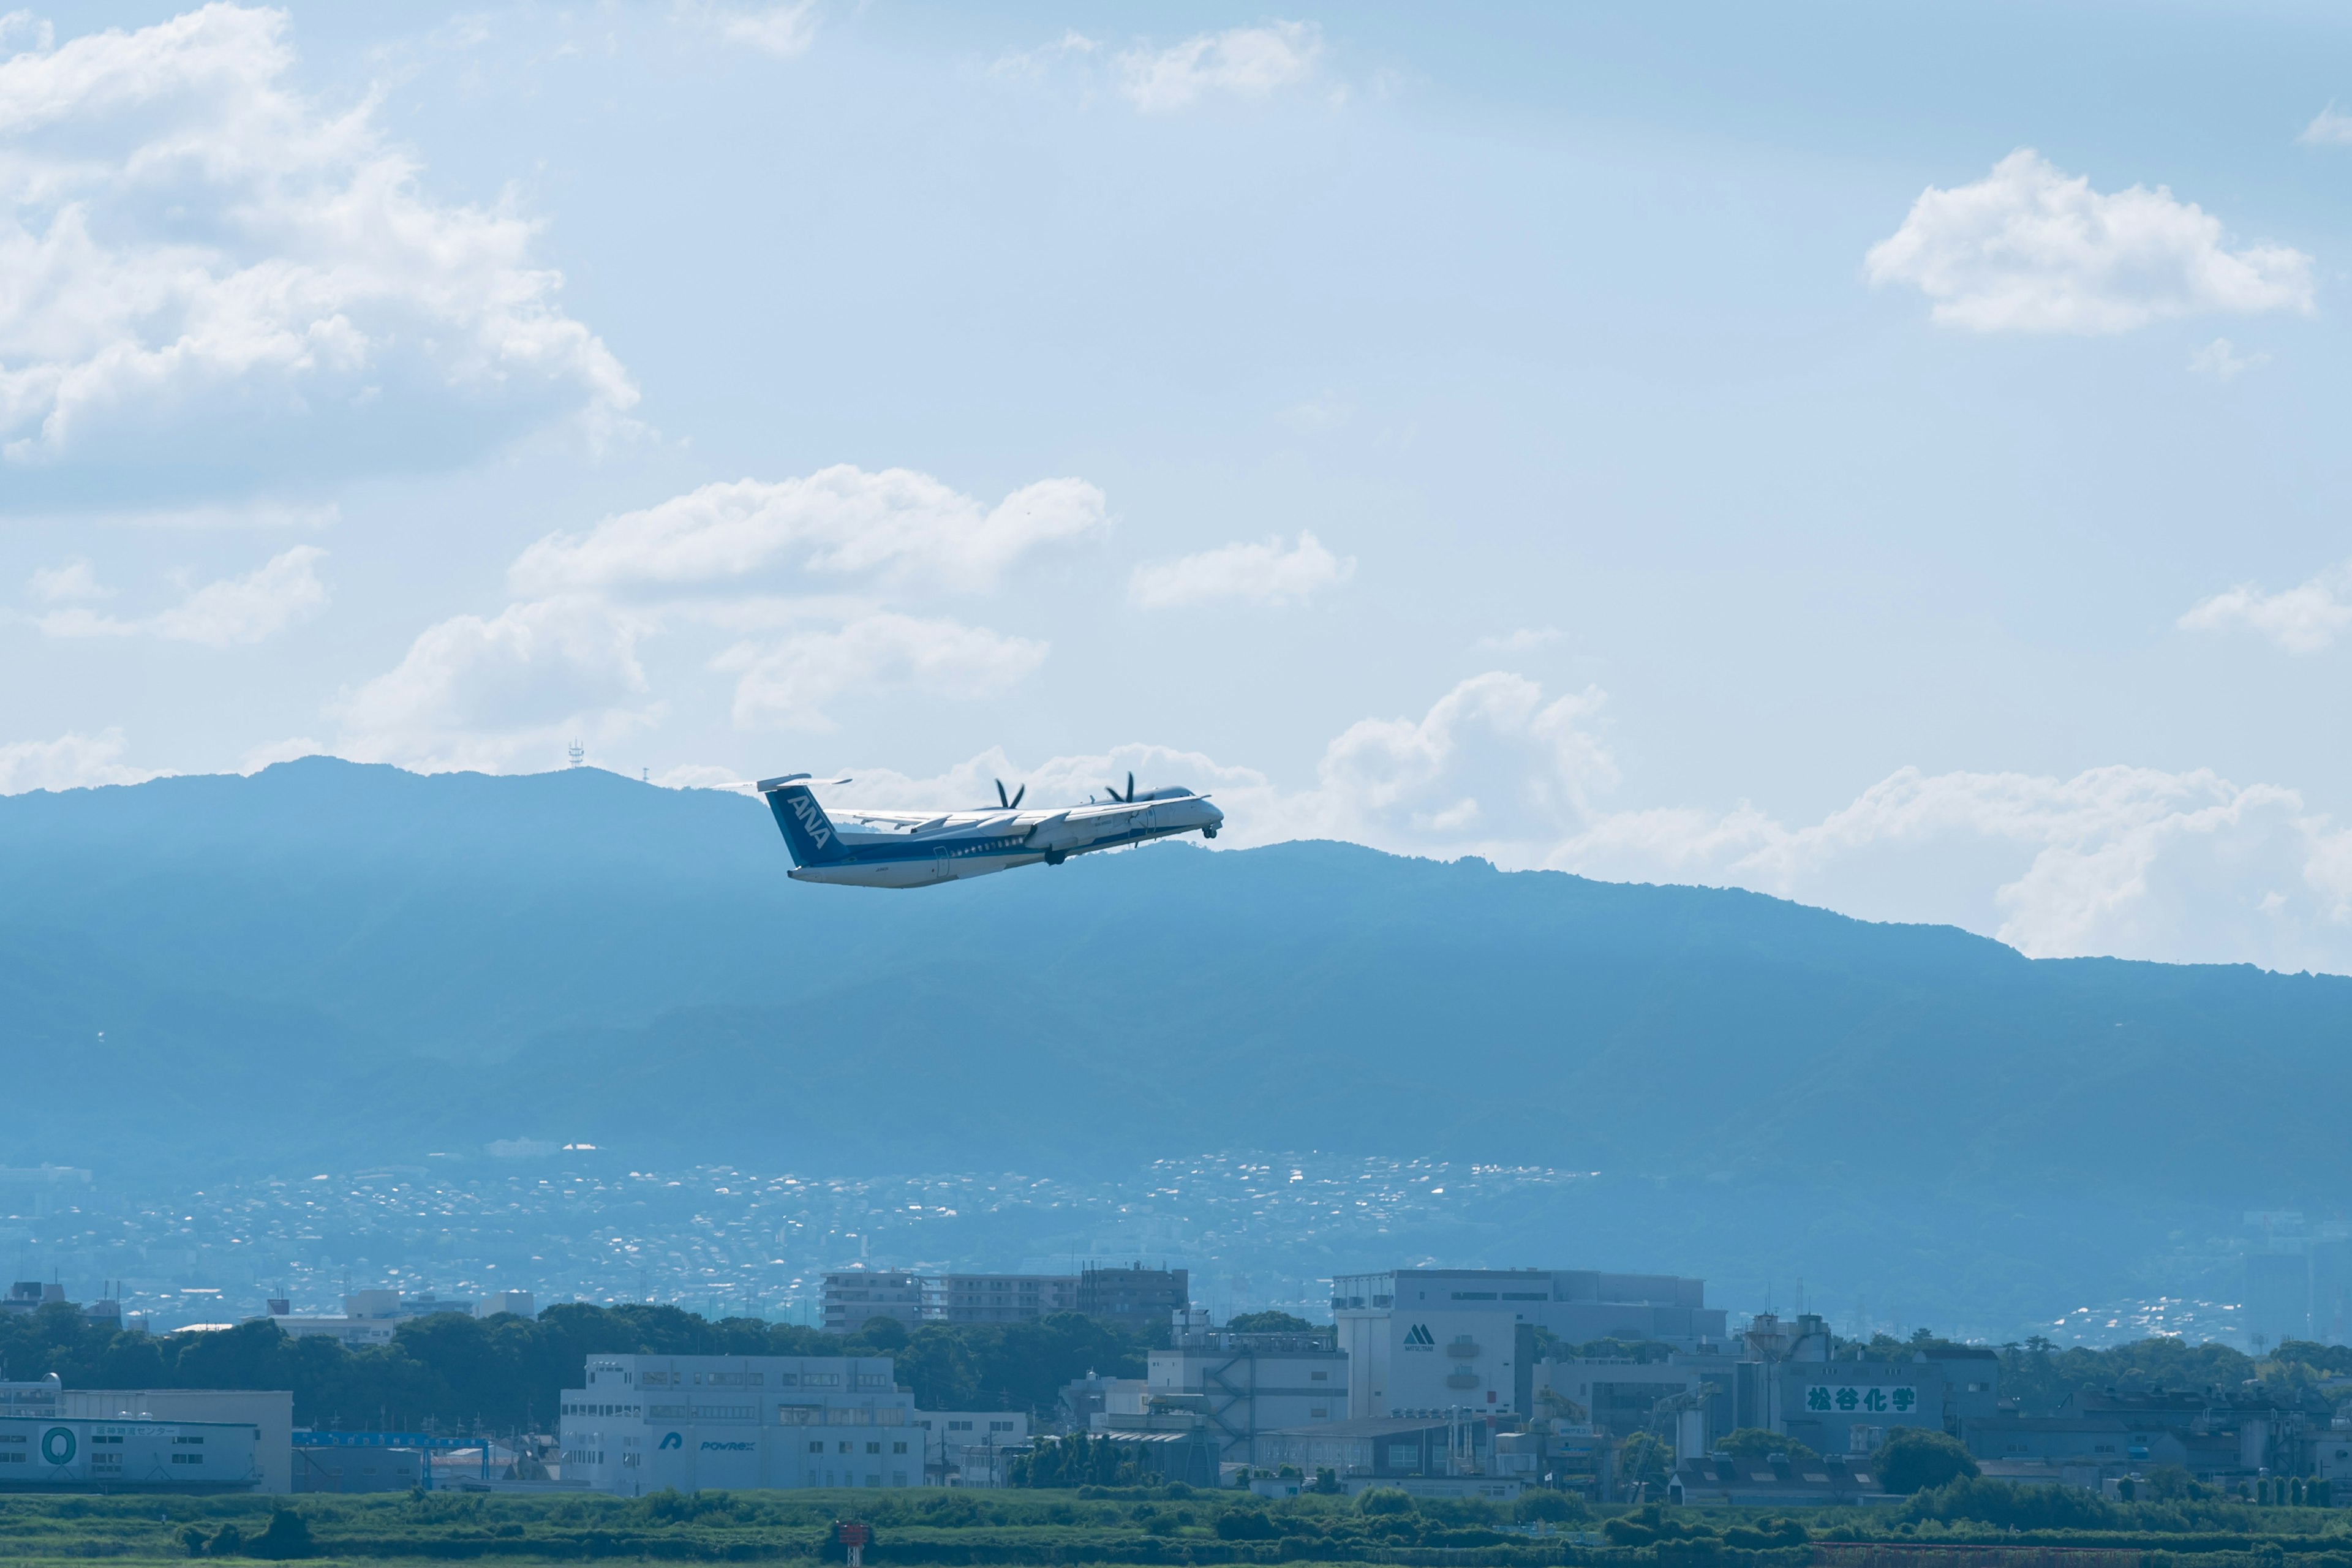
(1015, 798)
(1128, 798)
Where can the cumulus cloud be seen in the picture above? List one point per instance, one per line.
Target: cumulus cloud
(785, 685)
(2135, 862)
(751, 559)
(498, 691)
(2032, 249)
(209, 276)
(69, 761)
(2303, 619)
(2220, 359)
(1240, 62)
(837, 523)
(1265, 574)
(783, 31)
(245, 609)
(71, 582)
(2327, 128)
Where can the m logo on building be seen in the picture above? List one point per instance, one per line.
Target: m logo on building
(1418, 1338)
(672, 1440)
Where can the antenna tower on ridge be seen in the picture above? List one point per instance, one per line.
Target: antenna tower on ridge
(577, 754)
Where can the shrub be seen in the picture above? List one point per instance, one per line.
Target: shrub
(288, 1535)
(1246, 1525)
(1918, 1458)
(1548, 1507)
(1384, 1500)
(1766, 1534)
(2026, 1508)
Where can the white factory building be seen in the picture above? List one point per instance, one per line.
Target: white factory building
(1434, 1340)
(51, 1438)
(645, 1422)
(1245, 1384)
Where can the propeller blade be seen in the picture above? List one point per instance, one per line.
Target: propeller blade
(1018, 794)
(1130, 789)
(1000, 794)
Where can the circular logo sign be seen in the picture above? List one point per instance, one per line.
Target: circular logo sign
(57, 1445)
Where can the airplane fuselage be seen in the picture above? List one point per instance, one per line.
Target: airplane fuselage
(908, 849)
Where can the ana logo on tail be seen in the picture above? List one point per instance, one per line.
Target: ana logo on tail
(804, 807)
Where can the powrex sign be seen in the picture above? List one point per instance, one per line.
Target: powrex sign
(1852, 1399)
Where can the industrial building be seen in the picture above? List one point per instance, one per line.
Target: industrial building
(2101, 1434)
(44, 1448)
(971, 1447)
(1424, 1340)
(645, 1422)
(1245, 1384)
(269, 1412)
(1379, 1447)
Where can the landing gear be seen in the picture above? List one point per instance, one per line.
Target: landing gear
(1208, 832)
(1055, 857)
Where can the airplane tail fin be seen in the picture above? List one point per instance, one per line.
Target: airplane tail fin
(809, 834)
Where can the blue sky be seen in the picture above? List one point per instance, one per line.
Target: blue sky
(1885, 458)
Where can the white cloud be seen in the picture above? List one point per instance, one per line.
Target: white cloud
(783, 31)
(2220, 359)
(2031, 249)
(281, 593)
(73, 580)
(1524, 640)
(1032, 64)
(2327, 128)
(1244, 62)
(2303, 619)
(785, 685)
(2135, 862)
(206, 275)
(837, 523)
(506, 691)
(1265, 574)
(69, 761)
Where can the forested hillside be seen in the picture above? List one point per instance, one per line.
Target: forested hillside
(629, 966)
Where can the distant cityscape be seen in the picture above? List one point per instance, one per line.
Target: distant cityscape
(1254, 1231)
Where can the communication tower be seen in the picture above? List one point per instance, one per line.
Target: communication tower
(577, 754)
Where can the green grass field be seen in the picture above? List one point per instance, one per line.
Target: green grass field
(1133, 1526)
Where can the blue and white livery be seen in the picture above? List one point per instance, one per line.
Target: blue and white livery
(911, 849)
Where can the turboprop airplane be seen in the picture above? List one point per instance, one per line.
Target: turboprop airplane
(913, 850)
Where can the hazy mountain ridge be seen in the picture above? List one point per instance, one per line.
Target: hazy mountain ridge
(604, 960)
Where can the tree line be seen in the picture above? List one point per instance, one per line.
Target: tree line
(454, 1374)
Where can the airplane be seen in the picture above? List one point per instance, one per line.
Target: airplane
(915, 850)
